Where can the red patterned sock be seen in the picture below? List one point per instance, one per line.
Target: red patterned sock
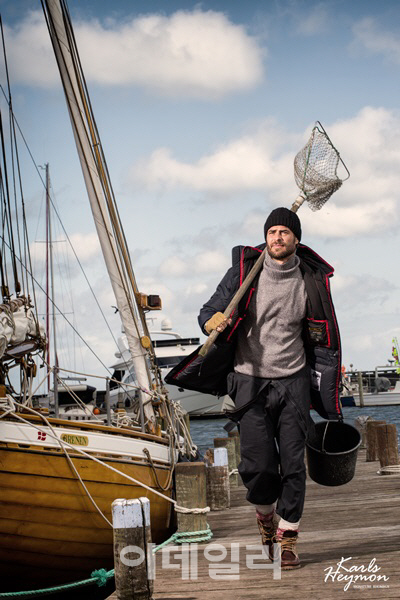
(265, 518)
(279, 532)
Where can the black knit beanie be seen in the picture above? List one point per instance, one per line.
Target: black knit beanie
(286, 217)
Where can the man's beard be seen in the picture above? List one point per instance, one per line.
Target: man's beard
(281, 252)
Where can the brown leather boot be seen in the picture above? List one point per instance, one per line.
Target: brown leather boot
(289, 557)
(267, 530)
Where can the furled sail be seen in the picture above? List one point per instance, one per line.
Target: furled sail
(94, 169)
(18, 324)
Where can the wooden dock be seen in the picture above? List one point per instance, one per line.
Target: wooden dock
(359, 521)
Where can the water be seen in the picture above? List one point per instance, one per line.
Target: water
(205, 430)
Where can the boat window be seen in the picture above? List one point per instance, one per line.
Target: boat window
(118, 375)
(169, 361)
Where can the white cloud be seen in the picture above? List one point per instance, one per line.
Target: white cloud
(335, 221)
(368, 350)
(174, 266)
(315, 22)
(252, 162)
(369, 36)
(358, 291)
(30, 56)
(196, 288)
(260, 161)
(370, 200)
(210, 261)
(253, 223)
(195, 53)
(86, 246)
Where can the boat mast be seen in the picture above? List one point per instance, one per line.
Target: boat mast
(49, 239)
(47, 282)
(100, 193)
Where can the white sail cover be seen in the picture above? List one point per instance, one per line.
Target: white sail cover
(17, 327)
(98, 200)
(7, 328)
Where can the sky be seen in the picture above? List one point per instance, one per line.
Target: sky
(201, 108)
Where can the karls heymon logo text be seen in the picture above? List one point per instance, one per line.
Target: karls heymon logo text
(351, 574)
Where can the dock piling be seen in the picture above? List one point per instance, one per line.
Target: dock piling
(386, 437)
(191, 493)
(360, 389)
(218, 488)
(133, 558)
(230, 445)
(372, 447)
(236, 437)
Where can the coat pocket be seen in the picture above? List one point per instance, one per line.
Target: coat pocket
(324, 365)
(317, 332)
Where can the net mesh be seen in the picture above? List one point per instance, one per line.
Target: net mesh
(315, 169)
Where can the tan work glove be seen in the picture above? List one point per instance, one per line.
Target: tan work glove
(218, 321)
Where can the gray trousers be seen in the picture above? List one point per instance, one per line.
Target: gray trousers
(273, 418)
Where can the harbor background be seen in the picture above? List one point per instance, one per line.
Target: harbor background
(204, 431)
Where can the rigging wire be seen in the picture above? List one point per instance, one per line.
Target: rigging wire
(3, 270)
(57, 308)
(126, 273)
(93, 137)
(88, 145)
(102, 181)
(62, 225)
(15, 162)
(7, 210)
(7, 195)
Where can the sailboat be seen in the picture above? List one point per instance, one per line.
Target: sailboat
(59, 477)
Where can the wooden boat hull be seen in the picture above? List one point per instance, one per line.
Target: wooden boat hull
(50, 531)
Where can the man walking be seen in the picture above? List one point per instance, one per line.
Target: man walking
(283, 332)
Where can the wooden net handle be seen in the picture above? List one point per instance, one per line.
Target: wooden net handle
(235, 301)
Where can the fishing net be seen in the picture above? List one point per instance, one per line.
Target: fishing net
(315, 168)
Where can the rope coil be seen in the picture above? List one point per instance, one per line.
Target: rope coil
(389, 470)
(195, 511)
(187, 537)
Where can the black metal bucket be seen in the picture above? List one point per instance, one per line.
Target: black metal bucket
(332, 452)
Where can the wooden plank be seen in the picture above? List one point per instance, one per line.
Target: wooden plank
(358, 520)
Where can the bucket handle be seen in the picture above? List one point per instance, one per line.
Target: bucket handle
(323, 437)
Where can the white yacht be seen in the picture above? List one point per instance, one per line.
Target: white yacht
(381, 387)
(170, 349)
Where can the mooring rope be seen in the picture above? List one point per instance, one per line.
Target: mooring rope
(63, 443)
(101, 576)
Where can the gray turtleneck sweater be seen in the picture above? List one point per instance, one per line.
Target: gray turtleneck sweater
(270, 343)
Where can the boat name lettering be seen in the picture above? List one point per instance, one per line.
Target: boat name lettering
(75, 440)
